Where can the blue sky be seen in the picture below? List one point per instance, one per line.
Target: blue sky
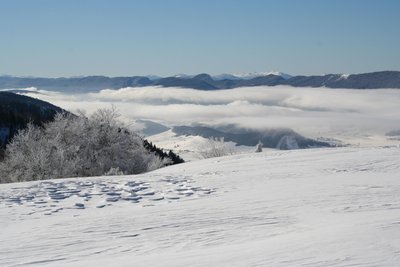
(165, 37)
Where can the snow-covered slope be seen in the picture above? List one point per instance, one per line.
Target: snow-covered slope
(191, 147)
(316, 207)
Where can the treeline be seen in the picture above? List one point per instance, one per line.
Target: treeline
(174, 158)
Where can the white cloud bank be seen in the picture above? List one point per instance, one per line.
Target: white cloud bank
(343, 113)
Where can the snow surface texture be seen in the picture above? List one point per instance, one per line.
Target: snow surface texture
(316, 207)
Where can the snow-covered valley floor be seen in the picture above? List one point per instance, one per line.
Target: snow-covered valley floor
(315, 207)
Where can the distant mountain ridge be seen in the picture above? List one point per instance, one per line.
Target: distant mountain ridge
(373, 80)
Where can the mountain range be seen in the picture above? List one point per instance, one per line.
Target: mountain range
(373, 80)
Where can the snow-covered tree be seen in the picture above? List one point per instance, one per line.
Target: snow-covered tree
(259, 147)
(216, 147)
(72, 146)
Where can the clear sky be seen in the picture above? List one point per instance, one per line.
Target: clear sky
(54, 38)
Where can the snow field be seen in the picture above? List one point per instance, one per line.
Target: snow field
(315, 207)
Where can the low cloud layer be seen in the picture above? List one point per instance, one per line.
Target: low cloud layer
(342, 113)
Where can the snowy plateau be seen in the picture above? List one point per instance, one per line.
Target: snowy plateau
(313, 207)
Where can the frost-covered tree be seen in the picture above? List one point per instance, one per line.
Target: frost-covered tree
(216, 147)
(72, 146)
(259, 147)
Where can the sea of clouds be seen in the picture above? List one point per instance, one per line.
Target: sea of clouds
(314, 112)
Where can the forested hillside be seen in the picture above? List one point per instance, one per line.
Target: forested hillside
(16, 111)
